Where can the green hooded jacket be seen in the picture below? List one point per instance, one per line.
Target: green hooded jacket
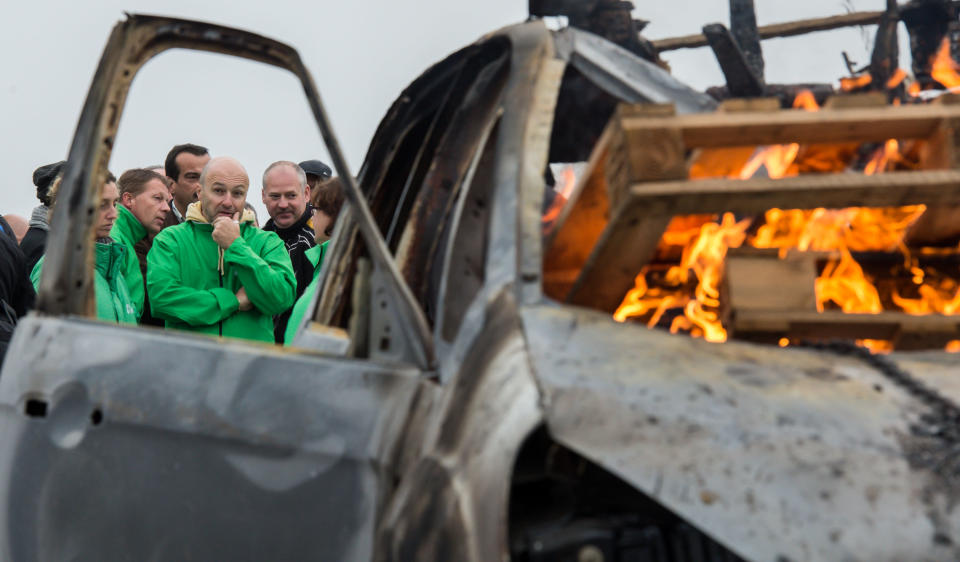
(127, 230)
(315, 255)
(109, 284)
(192, 283)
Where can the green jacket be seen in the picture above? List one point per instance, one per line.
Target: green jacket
(315, 256)
(109, 285)
(190, 290)
(127, 230)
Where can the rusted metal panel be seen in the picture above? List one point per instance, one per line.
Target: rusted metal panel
(780, 454)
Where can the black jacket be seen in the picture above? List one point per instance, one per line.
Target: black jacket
(298, 238)
(16, 292)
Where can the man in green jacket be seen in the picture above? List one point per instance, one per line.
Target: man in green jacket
(216, 273)
(141, 213)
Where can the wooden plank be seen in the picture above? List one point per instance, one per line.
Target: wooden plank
(762, 281)
(580, 224)
(627, 244)
(858, 124)
(786, 29)
(659, 199)
(906, 331)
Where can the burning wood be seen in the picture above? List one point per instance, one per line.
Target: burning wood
(818, 189)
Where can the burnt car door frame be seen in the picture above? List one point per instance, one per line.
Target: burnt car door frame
(66, 286)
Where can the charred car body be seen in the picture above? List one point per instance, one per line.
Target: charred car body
(438, 405)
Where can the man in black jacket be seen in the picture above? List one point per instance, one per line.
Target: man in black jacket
(286, 196)
(16, 291)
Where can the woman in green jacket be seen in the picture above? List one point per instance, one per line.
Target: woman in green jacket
(327, 199)
(109, 284)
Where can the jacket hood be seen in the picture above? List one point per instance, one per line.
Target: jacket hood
(778, 453)
(195, 214)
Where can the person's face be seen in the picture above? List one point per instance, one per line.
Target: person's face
(224, 192)
(107, 212)
(321, 221)
(186, 188)
(150, 206)
(284, 198)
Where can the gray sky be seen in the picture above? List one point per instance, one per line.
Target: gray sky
(361, 55)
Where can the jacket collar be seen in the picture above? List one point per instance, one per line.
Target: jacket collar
(305, 222)
(128, 224)
(195, 214)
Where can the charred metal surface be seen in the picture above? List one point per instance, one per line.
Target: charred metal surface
(927, 21)
(452, 502)
(741, 81)
(182, 447)
(885, 58)
(743, 26)
(776, 453)
(599, 76)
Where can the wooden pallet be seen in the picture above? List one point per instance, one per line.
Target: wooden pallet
(766, 298)
(637, 180)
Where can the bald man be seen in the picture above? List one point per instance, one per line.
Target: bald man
(216, 273)
(19, 225)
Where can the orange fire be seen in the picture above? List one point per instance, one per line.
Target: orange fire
(944, 69)
(855, 83)
(842, 284)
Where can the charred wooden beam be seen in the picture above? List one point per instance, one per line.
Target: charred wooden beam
(784, 92)
(741, 80)
(743, 25)
(927, 22)
(786, 29)
(885, 58)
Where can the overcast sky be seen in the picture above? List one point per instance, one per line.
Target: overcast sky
(361, 55)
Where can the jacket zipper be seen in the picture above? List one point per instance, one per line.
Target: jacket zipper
(220, 277)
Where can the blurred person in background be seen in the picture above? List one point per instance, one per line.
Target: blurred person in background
(327, 201)
(35, 240)
(183, 166)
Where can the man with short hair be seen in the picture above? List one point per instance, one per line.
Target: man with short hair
(286, 196)
(216, 273)
(316, 172)
(183, 166)
(144, 205)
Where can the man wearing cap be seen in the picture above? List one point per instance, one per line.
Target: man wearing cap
(316, 172)
(183, 165)
(286, 196)
(216, 273)
(34, 242)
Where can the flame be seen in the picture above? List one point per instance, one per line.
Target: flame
(702, 259)
(887, 154)
(953, 346)
(855, 83)
(562, 196)
(944, 69)
(899, 76)
(693, 284)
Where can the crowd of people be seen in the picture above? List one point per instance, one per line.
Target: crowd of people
(179, 246)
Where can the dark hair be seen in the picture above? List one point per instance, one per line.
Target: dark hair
(110, 178)
(328, 197)
(135, 181)
(170, 164)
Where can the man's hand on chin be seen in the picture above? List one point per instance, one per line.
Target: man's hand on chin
(226, 230)
(244, 301)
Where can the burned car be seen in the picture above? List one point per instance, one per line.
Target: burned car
(437, 405)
